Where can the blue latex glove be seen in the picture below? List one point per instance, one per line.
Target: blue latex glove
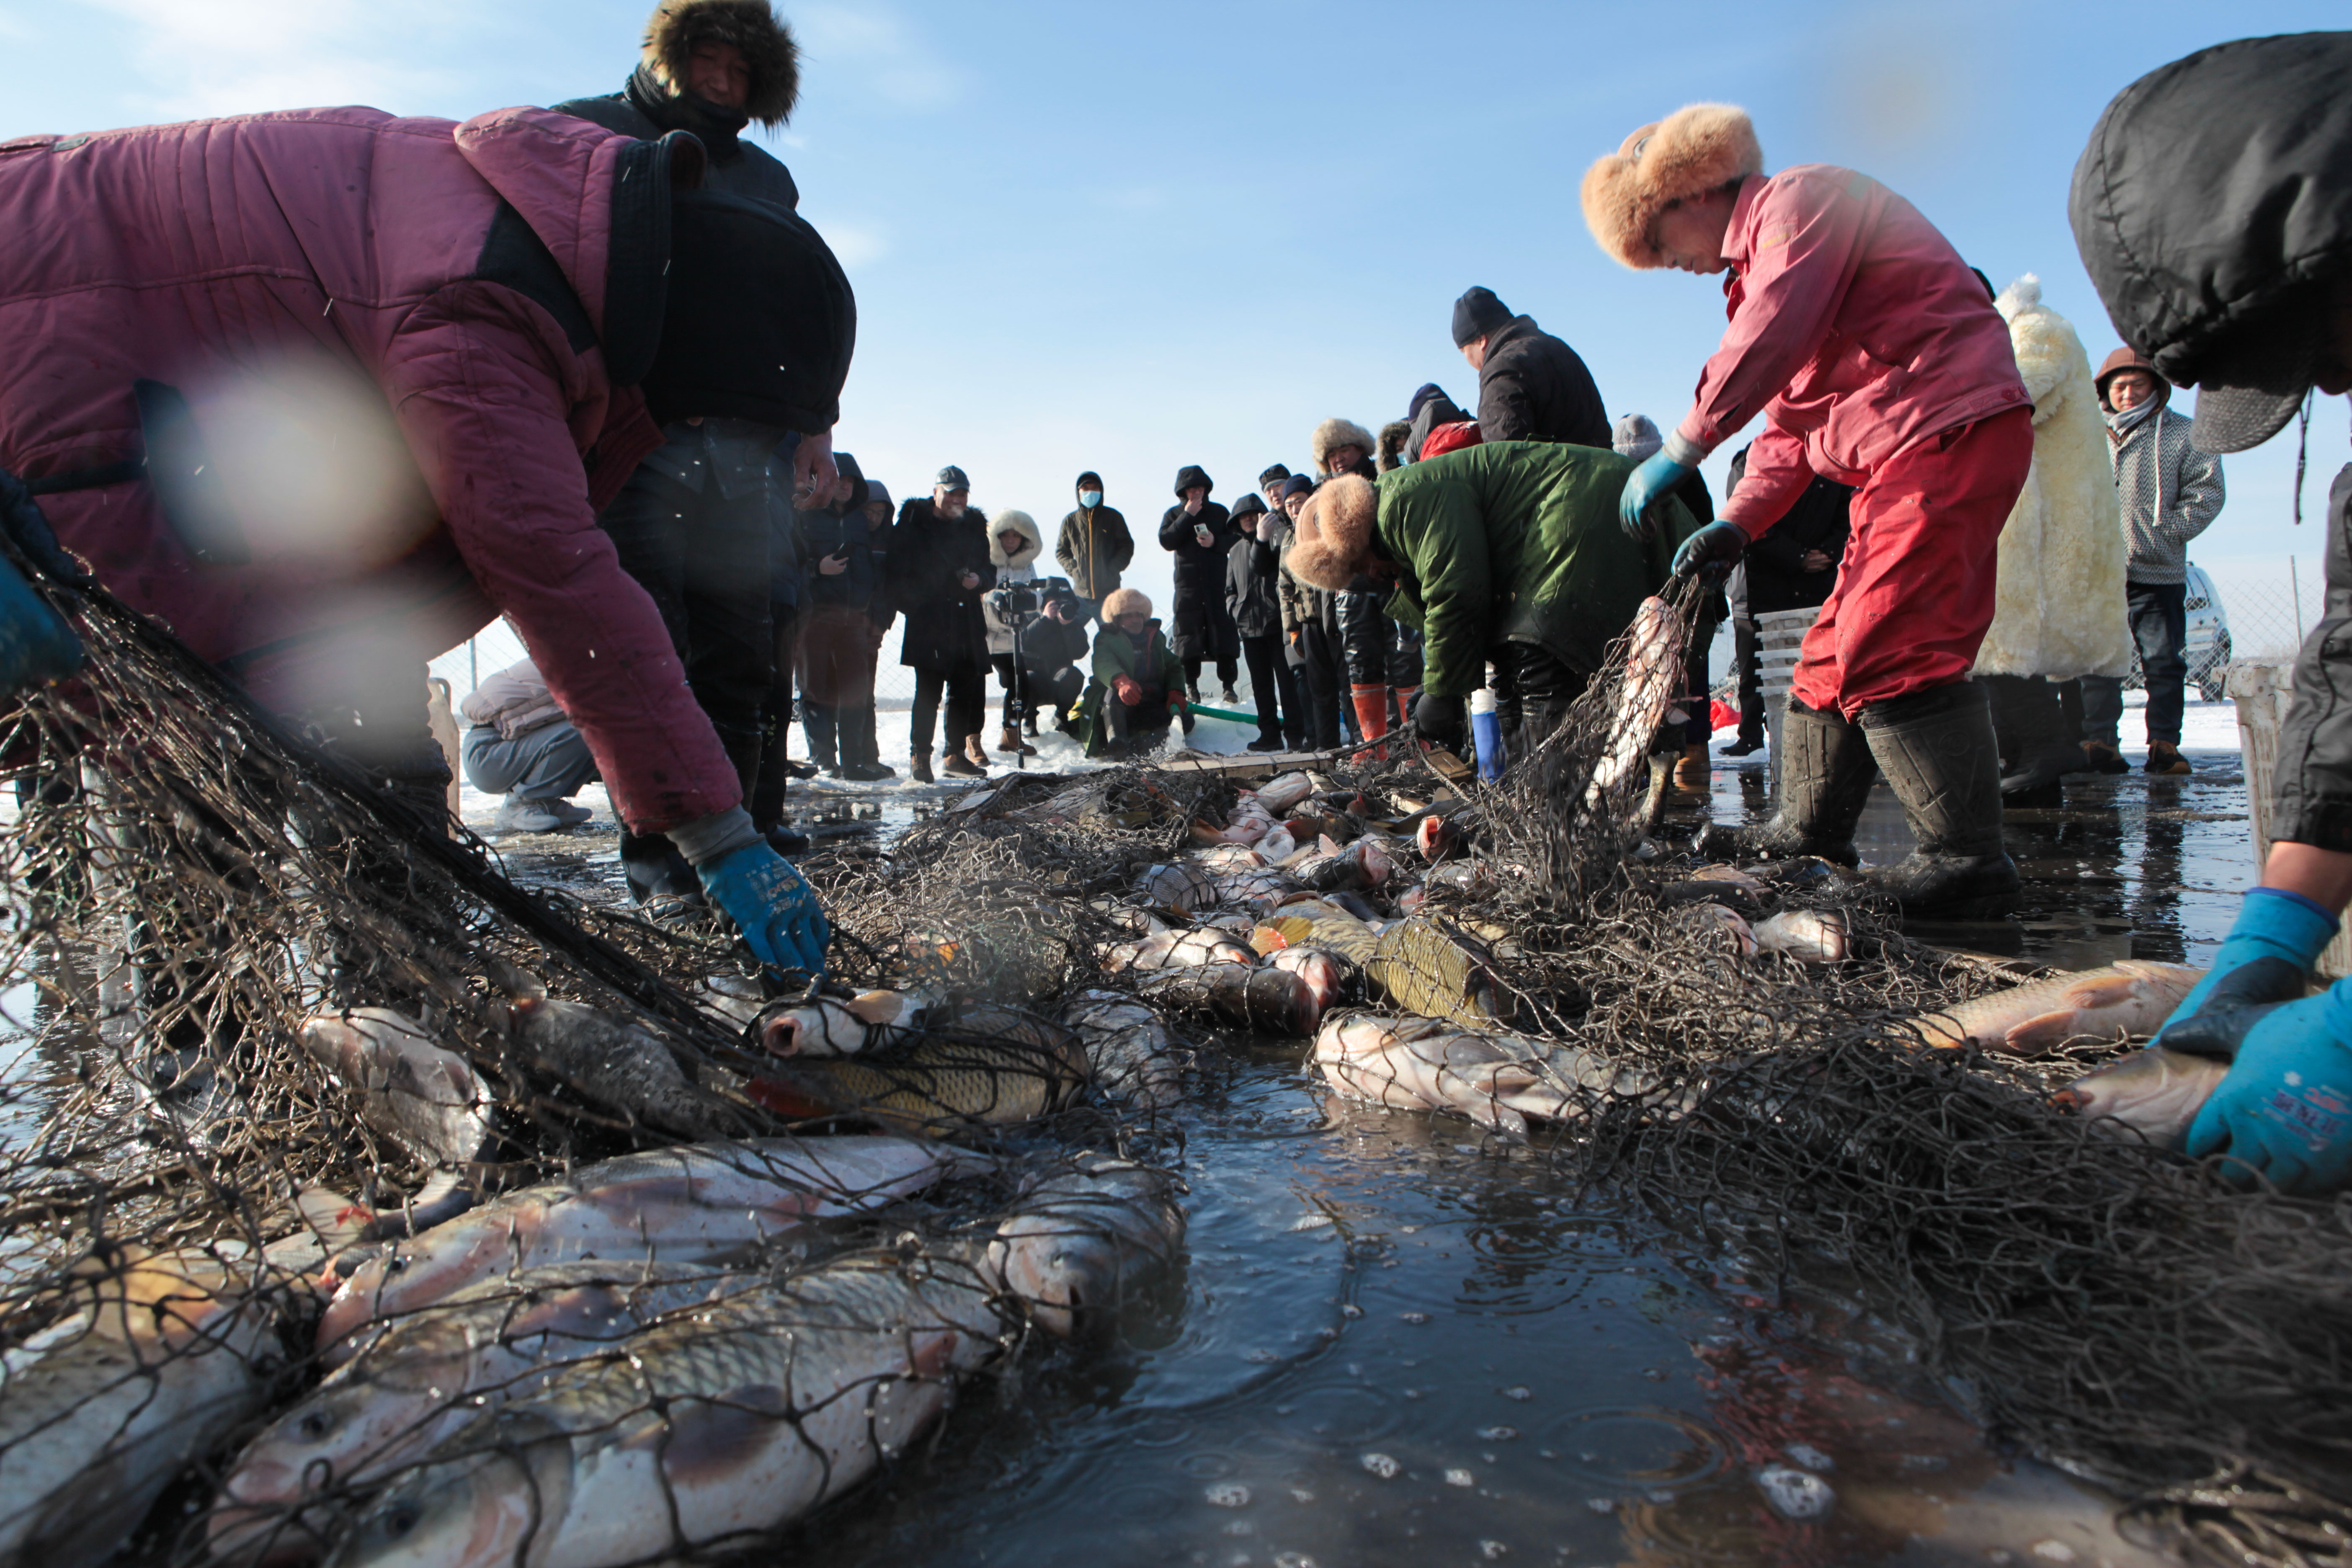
(1645, 487)
(775, 911)
(2285, 1108)
(2262, 962)
(36, 646)
(1713, 548)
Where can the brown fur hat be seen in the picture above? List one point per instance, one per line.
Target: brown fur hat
(1124, 601)
(1687, 154)
(1334, 434)
(1331, 542)
(752, 25)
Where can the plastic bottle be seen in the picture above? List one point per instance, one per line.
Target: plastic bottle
(1486, 732)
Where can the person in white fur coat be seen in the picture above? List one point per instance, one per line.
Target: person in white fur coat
(2059, 603)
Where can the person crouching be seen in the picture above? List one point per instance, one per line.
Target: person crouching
(1134, 663)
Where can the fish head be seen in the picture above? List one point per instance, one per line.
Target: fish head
(1355, 1038)
(500, 1507)
(2154, 1092)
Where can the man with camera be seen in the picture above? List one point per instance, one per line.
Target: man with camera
(1049, 621)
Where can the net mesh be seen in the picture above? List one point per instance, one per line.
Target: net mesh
(957, 1149)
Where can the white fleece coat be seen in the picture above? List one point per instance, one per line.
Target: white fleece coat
(1010, 569)
(2058, 607)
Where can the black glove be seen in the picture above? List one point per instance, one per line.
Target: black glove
(1437, 721)
(36, 646)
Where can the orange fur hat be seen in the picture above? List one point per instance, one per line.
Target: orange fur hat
(1331, 542)
(1687, 154)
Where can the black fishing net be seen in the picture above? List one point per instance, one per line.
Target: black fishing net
(297, 1080)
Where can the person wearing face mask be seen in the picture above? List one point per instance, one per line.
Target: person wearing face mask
(1094, 545)
(1876, 358)
(2213, 211)
(710, 69)
(2172, 492)
(1198, 533)
(938, 567)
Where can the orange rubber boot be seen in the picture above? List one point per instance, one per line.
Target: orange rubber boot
(1372, 716)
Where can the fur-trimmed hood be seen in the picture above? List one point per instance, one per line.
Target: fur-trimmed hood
(754, 29)
(1689, 153)
(1019, 523)
(1334, 434)
(1331, 541)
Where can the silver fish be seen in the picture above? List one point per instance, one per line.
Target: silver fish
(1180, 886)
(2153, 1093)
(1177, 950)
(1652, 667)
(2129, 997)
(684, 1205)
(433, 1373)
(425, 1099)
(1077, 1247)
(1497, 1081)
(831, 1026)
(612, 1061)
(725, 1421)
(1135, 1061)
(1809, 936)
(98, 1413)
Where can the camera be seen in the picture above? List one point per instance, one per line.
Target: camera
(1017, 603)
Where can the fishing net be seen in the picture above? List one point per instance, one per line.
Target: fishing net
(265, 1020)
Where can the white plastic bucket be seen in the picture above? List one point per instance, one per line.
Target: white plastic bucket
(1779, 639)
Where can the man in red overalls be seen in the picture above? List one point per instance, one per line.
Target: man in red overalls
(1876, 358)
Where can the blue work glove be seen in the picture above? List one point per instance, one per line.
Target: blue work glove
(775, 911)
(1714, 549)
(1645, 487)
(2285, 1108)
(36, 646)
(2262, 962)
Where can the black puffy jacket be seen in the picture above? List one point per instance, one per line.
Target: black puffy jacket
(1250, 576)
(2213, 209)
(1533, 388)
(645, 110)
(923, 577)
(1203, 629)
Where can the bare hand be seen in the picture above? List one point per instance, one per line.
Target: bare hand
(832, 565)
(813, 474)
(1813, 560)
(968, 579)
(1191, 506)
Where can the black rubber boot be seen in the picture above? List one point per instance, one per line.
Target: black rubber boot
(819, 724)
(656, 871)
(1825, 777)
(2038, 754)
(1936, 747)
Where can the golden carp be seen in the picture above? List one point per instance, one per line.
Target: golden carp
(985, 1065)
(2154, 1093)
(2126, 999)
(1423, 967)
(1316, 922)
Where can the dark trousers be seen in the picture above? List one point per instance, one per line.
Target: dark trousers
(767, 797)
(1271, 683)
(1226, 670)
(703, 559)
(1318, 680)
(1747, 651)
(2159, 623)
(1545, 688)
(966, 688)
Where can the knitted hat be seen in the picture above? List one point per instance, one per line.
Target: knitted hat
(1475, 314)
(1635, 437)
(1689, 153)
(1297, 485)
(1332, 539)
(1124, 601)
(1421, 397)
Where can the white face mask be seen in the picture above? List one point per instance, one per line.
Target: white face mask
(1091, 498)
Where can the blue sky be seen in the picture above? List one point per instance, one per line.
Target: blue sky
(1129, 238)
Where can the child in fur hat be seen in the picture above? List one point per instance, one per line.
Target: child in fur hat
(1877, 360)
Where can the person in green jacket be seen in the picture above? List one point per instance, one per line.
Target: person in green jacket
(1133, 663)
(1509, 552)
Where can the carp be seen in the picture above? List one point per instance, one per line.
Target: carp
(611, 1061)
(1285, 790)
(1178, 886)
(1653, 667)
(2128, 997)
(2154, 1093)
(1809, 936)
(1316, 922)
(432, 1373)
(1260, 892)
(985, 1065)
(1177, 950)
(425, 1098)
(1270, 1000)
(102, 1409)
(683, 1205)
(830, 1027)
(1423, 967)
(713, 1424)
(1498, 1080)
(1327, 974)
(1133, 1058)
(1079, 1246)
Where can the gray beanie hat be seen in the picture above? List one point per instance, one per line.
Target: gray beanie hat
(1635, 436)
